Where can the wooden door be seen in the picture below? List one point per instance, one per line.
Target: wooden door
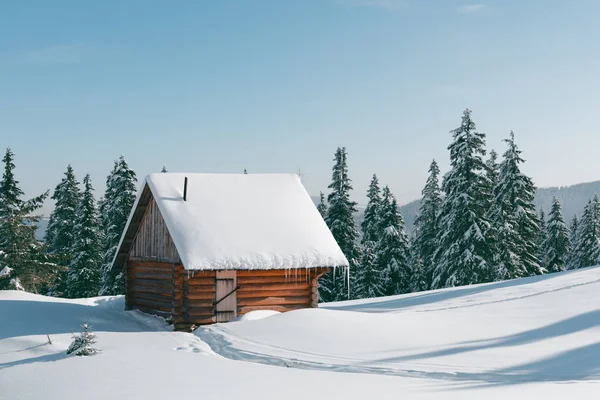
(226, 296)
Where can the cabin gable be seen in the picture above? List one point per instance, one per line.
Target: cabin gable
(152, 240)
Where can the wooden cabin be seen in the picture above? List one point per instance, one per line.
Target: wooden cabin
(206, 248)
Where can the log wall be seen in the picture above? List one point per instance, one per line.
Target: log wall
(278, 290)
(187, 297)
(152, 287)
(152, 240)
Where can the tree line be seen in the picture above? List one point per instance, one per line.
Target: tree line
(479, 225)
(75, 260)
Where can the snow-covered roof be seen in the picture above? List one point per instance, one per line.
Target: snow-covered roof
(243, 221)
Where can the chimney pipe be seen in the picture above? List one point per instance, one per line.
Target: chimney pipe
(185, 189)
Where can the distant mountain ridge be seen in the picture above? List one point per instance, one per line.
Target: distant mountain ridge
(573, 199)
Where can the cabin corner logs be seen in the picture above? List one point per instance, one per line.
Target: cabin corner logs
(188, 298)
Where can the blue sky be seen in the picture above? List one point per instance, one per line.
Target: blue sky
(276, 86)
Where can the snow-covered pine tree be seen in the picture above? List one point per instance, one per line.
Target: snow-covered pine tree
(515, 219)
(463, 253)
(20, 250)
(418, 279)
(574, 228)
(164, 170)
(370, 223)
(587, 248)
(426, 224)
(392, 248)
(60, 231)
(542, 237)
(83, 278)
(492, 172)
(369, 280)
(322, 206)
(83, 344)
(340, 219)
(558, 241)
(115, 208)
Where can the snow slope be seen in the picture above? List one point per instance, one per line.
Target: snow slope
(526, 338)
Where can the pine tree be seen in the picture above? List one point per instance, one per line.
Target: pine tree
(370, 223)
(20, 250)
(60, 231)
(515, 218)
(83, 344)
(164, 170)
(574, 228)
(340, 219)
(418, 279)
(322, 206)
(369, 280)
(542, 237)
(492, 173)
(392, 248)
(426, 224)
(587, 248)
(83, 279)
(115, 208)
(558, 242)
(464, 252)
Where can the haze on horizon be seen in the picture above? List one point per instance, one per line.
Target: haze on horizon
(275, 86)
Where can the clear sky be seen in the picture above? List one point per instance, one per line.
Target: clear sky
(276, 86)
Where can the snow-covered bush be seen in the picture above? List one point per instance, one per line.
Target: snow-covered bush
(82, 344)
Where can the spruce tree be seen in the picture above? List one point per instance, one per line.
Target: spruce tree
(574, 228)
(558, 242)
(60, 231)
(115, 208)
(418, 279)
(492, 172)
(164, 170)
(426, 224)
(322, 206)
(463, 251)
(20, 250)
(542, 237)
(587, 248)
(515, 218)
(369, 281)
(370, 223)
(392, 248)
(83, 278)
(340, 219)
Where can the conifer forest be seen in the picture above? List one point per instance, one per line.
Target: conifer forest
(476, 223)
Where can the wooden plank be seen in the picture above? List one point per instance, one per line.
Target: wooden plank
(187, 304)
(264, 272)
(136, 303)
(201, 296)
(249, 294)
(201, 282)
(274, 301)
(159, 286)
(270, 279)
(204, 288)
(154, 276)
(274, 286)
(153, 299)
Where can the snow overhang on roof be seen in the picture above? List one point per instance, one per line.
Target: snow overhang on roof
(242, 221)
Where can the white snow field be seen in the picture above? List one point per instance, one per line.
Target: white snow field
(523, 339)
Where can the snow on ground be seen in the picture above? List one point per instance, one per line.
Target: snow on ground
(526, 338)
